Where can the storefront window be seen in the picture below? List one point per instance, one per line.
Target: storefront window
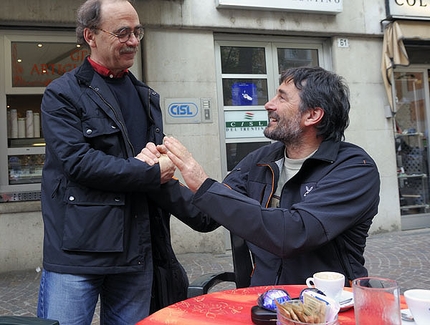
(25, 169)
(411, 141)
(291, 58)
(34, 61)
(249, 75)
(36, 64)
(244, 92)
(237, 151)
(246, 60)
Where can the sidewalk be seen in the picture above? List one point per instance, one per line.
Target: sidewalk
(403, 256)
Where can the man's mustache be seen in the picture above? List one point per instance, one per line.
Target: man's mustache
(128, 50)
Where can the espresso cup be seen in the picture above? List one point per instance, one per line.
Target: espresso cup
(418, 301)
(330, 283)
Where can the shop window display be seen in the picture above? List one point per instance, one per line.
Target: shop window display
(34, 62)
(411, 134)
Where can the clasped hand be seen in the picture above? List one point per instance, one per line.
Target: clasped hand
(152, 155)
(172, 153)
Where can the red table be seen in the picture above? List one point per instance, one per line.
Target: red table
(228, 307)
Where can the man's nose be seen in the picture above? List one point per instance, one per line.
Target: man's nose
(133, 39)
(270, 105)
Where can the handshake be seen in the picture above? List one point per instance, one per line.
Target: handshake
(170, 155)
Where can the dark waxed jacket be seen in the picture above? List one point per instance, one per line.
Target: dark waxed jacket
(326, 211)
(97, 199)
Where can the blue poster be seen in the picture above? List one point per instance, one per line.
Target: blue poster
(244, 94)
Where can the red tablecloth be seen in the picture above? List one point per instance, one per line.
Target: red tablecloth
(228, 307)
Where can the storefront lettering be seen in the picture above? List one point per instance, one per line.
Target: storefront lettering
(37, 73)
(79, 55)
(51, 69)
(245, 129)
(411, 3)
(416, 9)
(238, 124)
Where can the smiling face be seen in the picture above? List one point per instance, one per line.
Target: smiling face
(285, 118)
(106, 49)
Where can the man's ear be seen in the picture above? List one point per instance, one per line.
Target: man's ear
(314, 116)
(89, 37)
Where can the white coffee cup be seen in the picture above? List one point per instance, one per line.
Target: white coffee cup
(330, 283)
(418, 301)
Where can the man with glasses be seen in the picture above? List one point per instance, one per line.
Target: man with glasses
(98, 195)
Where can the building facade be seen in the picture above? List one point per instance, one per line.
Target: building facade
(215, 63)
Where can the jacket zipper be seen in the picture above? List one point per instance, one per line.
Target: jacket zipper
(273, 184)
(279, 272)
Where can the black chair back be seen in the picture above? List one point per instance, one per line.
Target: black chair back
(241, 275)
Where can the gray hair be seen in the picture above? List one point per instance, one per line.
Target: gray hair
(89, 16)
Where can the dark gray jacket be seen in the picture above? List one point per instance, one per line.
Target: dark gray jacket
(97, 199)
(326, 211)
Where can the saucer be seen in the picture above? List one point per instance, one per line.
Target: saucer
(346, 301)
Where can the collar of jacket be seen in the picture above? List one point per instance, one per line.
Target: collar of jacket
(327, 151)
(85, 74)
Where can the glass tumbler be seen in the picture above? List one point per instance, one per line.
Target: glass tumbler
(376, 301)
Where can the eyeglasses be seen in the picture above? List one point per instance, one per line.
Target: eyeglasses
(124, 34)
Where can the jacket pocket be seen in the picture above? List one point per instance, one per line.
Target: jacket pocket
(102, 134)
(94, 221)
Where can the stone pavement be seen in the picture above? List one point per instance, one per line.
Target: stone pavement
(403, 256)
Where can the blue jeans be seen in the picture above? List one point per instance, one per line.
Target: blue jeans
(71, 299)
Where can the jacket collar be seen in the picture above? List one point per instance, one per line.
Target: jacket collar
(85, 73)
(327, 151)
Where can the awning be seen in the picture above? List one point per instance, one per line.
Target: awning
(394, 51)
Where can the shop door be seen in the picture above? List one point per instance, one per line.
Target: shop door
(411, 145)
(248, 75)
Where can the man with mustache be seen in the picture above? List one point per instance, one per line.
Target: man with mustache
(100, 201)
(304, 203)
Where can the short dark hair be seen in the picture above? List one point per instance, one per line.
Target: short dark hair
(88, 16)
(321, 88)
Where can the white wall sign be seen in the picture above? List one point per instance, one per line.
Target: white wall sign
(308, 6)
(408, 9)
(182, 110)
(245, 124)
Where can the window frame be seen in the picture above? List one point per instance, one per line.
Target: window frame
(271, 44)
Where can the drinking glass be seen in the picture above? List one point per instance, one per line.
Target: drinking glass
(376, 301)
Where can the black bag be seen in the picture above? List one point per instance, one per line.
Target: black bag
(170, 281)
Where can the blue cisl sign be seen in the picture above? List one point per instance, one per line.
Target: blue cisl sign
(182, 110)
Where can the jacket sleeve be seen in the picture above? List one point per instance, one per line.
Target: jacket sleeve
(345, 198)
(98, 159)
(176, 198)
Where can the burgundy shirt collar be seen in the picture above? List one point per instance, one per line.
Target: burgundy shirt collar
(105, 72)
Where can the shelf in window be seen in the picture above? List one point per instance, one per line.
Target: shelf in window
(415, 206)
(26, 142)
(412, 175)
(399, 135)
